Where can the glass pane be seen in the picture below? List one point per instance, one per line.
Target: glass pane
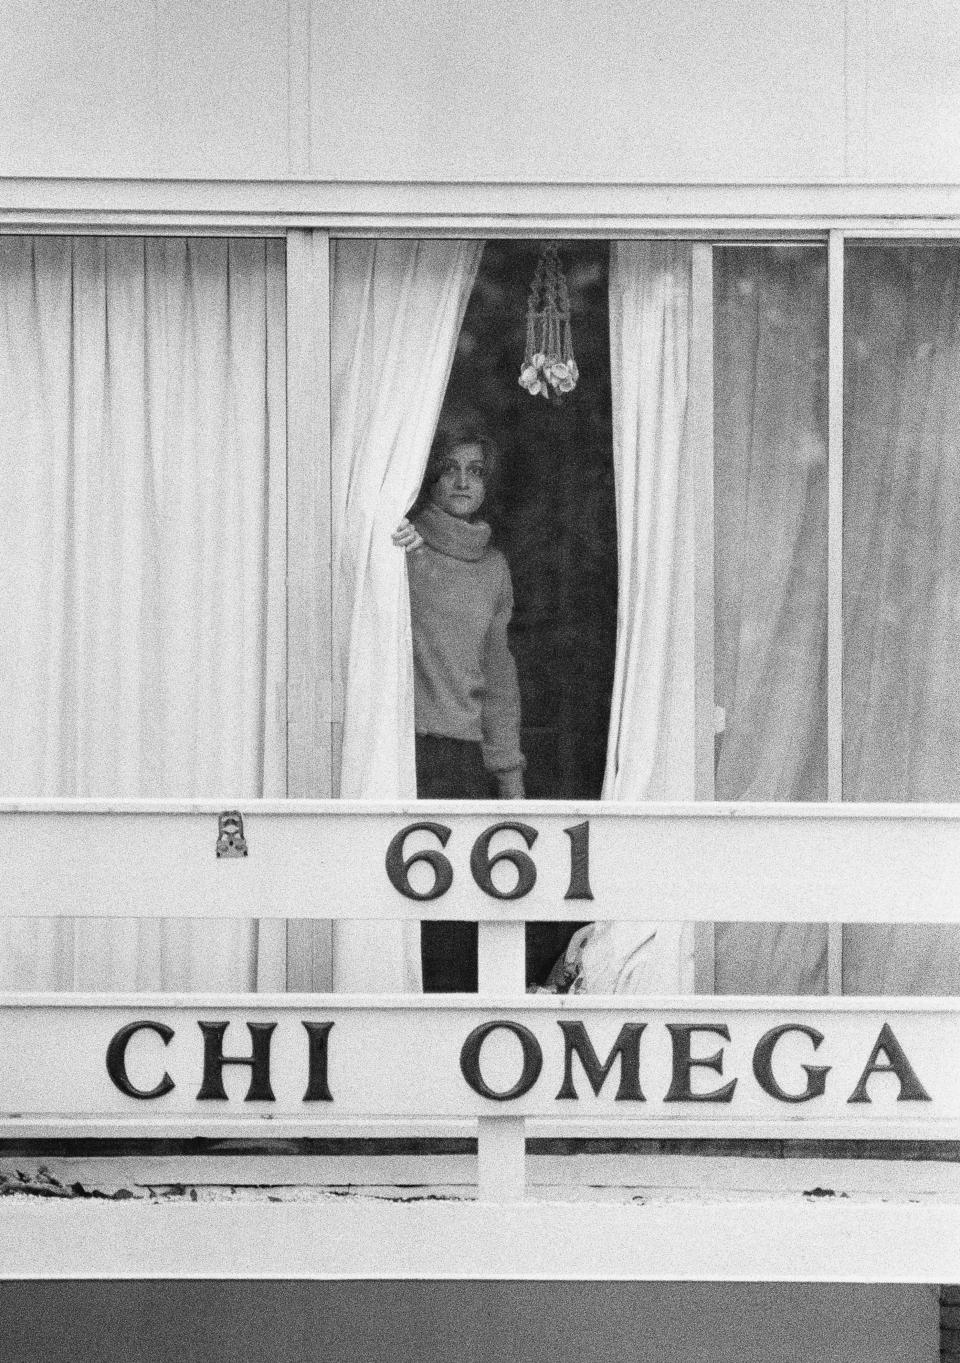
(770, 568)
(901, 562)
(901, 567)
(770, 490)
(142, 609)
(481, 663)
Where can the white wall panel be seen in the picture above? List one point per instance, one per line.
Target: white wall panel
(618, 91)
(482, 90)
(156, 87)
(222, 85)
(77, 87)
(913, 91)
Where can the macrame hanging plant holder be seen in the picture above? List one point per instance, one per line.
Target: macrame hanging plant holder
(549, 368)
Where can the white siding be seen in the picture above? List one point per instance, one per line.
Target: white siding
(913, 91)
(169, 88)
(564, 91)
(482, 90)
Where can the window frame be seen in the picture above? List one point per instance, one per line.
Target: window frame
(700, 418)
(707, 216)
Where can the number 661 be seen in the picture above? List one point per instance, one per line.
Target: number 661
(482, 863)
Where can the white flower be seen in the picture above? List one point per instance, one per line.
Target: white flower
(545, 372)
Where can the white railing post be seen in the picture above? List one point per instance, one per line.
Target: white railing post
(501, 1141)
(501, 1159)
(502, 967)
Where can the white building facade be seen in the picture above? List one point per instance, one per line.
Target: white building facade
(242, 244)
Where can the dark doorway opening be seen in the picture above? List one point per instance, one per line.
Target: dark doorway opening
(555, 519)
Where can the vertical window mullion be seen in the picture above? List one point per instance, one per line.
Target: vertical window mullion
(309, 567)
(835, 569)
(700, 427)
(271, 941)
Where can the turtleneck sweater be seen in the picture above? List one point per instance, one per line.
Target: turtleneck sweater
(461, 600)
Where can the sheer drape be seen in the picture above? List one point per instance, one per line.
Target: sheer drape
(397, 311)
(770, 578)
(142, 516)
(901, 570)
(650, 753)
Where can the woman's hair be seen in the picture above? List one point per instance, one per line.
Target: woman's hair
(446, 440)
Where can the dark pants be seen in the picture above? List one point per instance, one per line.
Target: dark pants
(449, 769)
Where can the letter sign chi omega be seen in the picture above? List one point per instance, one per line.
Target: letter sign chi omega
(401, 1057)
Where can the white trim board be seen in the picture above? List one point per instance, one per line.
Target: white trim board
(155, 1058)
(472, 208)
(766, 1240)
(683, 862)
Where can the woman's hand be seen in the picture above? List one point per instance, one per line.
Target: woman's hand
(510, 784)
(407, 537)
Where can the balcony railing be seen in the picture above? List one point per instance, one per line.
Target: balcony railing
(823, 1068)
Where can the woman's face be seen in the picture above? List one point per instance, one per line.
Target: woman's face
(459, 491)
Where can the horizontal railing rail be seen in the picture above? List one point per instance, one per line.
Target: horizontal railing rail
(579, 860)
(828, 1069)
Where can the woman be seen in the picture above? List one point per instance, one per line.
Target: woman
(466, 698)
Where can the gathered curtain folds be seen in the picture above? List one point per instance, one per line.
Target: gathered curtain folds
(770, 579)
(901, 571)
(397, 308)
(770, 571)
(142, 535)
(650, 751)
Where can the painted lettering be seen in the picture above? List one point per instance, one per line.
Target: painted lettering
(684, 1063)
(318, 1089)
(911, 1090)
(532, 1060)
(117, 1059)
(626, 1048)
(763, 1065)
(258, 1060)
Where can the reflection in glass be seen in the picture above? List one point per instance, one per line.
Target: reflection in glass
(901, 568)
(770, 568)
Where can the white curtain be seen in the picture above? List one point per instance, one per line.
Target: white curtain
(770, 579)
(142, 508)
(650, 752)
(396, 315)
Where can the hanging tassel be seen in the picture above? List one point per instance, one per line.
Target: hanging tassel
(549, 367)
